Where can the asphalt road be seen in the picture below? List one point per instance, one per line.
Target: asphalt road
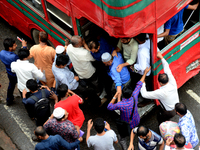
(19, 127)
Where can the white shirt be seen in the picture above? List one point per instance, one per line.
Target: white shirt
(81, 58)
(159, 31)
(143, 58)
(25, 71)
(167, 94)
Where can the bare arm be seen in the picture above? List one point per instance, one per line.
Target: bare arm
(145, 73)
(114, 53)
(193, 7)
(131, 146)
(114, 98)
(166, 33)
(89, 126)
(161, 146)
(121, 66)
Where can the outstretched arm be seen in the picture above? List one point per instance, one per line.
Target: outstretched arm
(193, 7)
(131, 146)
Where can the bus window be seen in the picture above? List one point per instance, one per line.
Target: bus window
(59, 19)
(36, 5)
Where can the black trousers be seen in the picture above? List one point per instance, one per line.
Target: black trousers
(164, 115)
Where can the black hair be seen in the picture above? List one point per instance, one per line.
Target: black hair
(142, 131)
(62, 60)
(43, 36)
(126, 38)
(142, 37)
(93, 44)
(8, 42)
(32, 85)
(99, 125)
(127, 91)
(40, 131)
(181, 108)
(23, 53)
(179, 140)
(62, 90)
(75, 40)
(163, 78)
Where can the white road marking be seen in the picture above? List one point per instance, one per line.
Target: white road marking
(21, 124)
(193, 95)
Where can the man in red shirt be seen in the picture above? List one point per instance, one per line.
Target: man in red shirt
(70, 104)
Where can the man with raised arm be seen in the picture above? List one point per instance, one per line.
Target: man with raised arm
(167, 93)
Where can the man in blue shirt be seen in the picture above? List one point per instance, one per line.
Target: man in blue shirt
(97, 48)
(187, 124)
(7, 56)
(120, 78)
(174, 26)
(30, 102)
(55, 142)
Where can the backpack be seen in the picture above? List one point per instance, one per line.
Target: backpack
(41, 108)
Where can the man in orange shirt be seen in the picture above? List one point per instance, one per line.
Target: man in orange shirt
(44, 57)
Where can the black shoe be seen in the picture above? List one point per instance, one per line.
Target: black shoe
(9, 103)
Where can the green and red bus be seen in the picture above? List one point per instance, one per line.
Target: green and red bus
(62, 19)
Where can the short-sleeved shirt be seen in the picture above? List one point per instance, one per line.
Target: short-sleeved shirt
(129, 50)
(55, 143)
(152, 143)
(44, 58)
(188, 129)
(7, 58)
(104, 142)
(65, 129)
(175, 24)
(81, 58)
(71, 105)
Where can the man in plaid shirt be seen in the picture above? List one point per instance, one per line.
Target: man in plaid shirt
(59, 124)
(126, 105)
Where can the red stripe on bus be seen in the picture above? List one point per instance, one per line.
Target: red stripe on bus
(123, 7)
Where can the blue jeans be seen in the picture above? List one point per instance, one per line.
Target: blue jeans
(11, 88)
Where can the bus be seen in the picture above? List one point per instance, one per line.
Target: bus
(62, 19)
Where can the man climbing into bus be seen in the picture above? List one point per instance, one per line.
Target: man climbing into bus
(143, 61)
(167, 94)
(81, 60)
(174, 26)
(130, 49)
(120, 79)
(44, 57)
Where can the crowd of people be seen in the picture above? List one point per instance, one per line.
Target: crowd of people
(93, 73)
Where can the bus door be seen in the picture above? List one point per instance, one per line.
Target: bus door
(183, 53)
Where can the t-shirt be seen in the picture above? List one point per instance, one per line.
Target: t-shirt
(152, 143)
(71, 105)
(104, 142)
(175, 24)
(44, 58)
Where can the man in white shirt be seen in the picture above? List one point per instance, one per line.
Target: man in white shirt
(103, 140)
(81, 60)
(167, 94)
(25, 70)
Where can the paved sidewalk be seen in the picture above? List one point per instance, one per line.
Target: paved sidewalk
(5, 141)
